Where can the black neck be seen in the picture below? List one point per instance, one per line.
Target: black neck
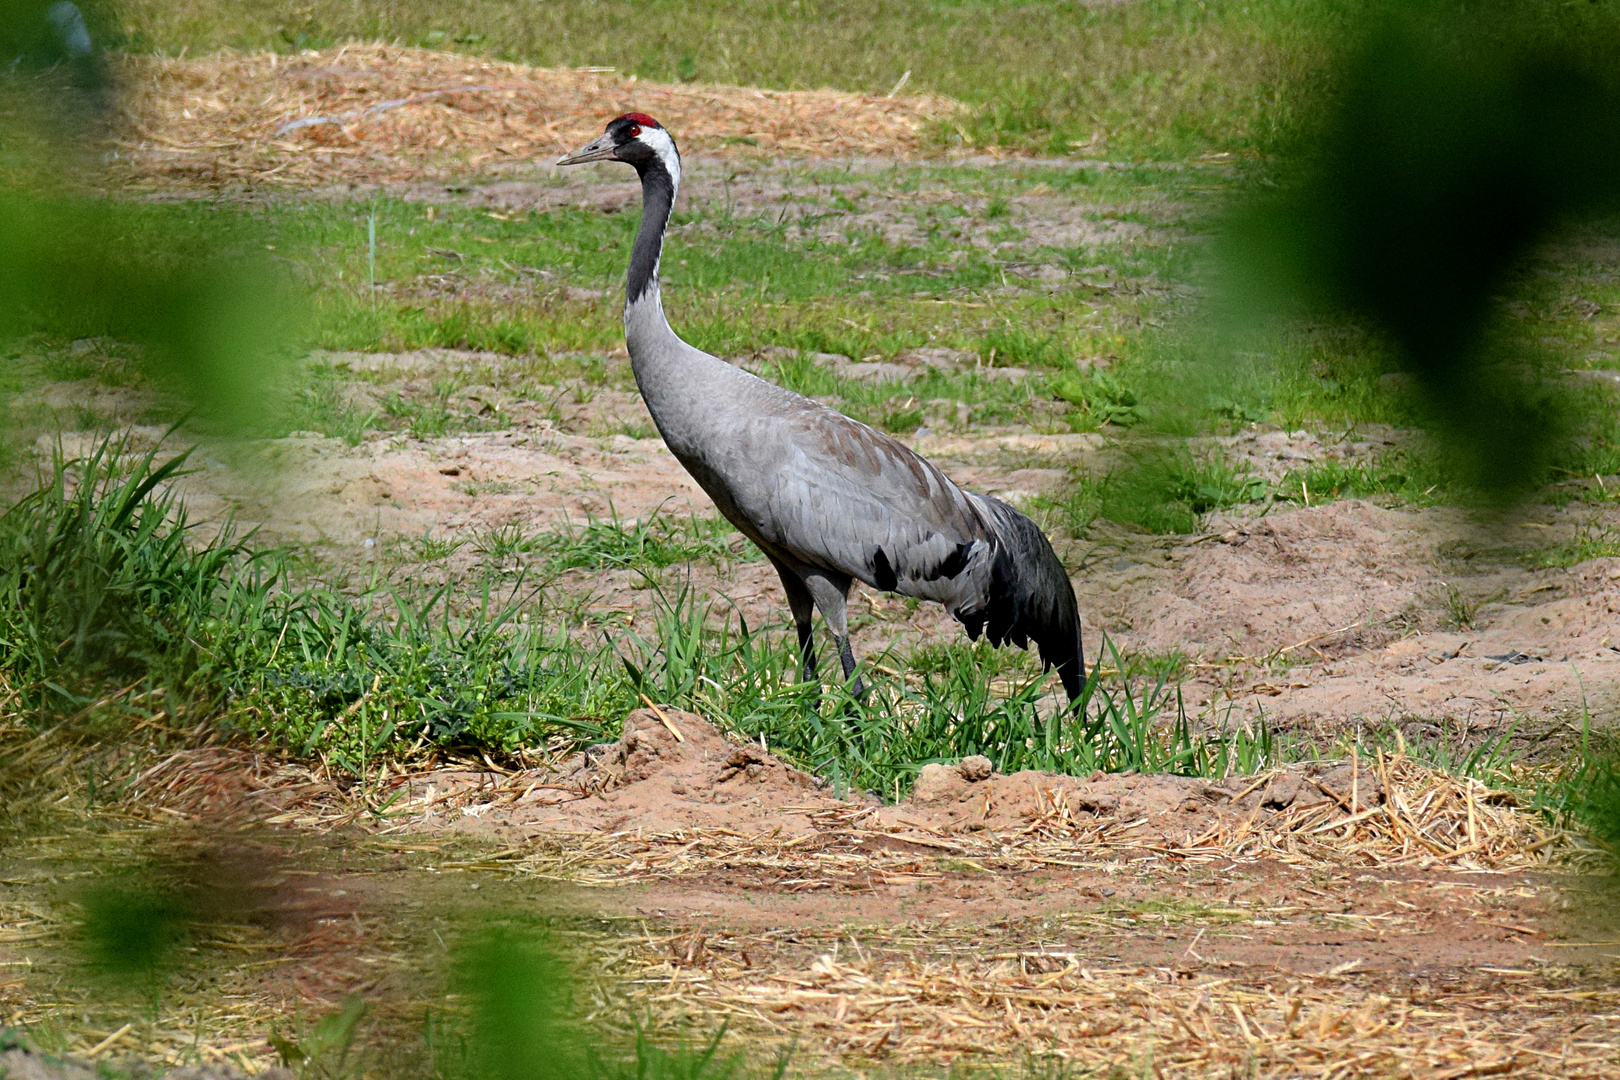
(657, 199)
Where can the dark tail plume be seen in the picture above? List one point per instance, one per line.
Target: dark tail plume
(1031, 598)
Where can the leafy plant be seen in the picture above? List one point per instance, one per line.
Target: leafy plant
(1102, 396)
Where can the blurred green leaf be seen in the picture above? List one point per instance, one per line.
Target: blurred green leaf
(209, 321)
(1451, 141)
(131, 929)
(522, 1004)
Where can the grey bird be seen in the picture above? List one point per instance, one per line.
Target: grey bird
(828, 500)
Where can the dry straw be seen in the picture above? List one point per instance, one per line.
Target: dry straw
(384, 114)
(1428, 819)
(1065, 986)
(939, 992)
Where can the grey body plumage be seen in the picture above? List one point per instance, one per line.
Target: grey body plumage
(828, 500)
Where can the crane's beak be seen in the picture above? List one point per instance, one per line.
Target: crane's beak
(600, 148)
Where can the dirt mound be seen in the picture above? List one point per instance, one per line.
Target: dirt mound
(670, 770)
(379, 113)
(673, 771)
(968, 797)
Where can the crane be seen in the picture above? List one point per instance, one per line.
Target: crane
(828, 500)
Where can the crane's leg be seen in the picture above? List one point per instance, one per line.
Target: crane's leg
(832, 597)
(803, 608)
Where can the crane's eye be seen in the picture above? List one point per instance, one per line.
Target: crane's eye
(635, 130)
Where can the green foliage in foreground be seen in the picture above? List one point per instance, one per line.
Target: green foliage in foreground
(1444, 121)
(207, 321)
(110, 588)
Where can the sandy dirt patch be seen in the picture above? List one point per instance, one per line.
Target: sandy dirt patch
(1345, 613)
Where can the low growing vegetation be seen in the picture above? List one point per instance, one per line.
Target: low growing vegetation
(117, 605)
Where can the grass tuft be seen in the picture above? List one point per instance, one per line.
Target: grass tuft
(656, 541)
(1408, 477)
(1591, 542)
(1171, 491)
(100, 582)
(109, 588)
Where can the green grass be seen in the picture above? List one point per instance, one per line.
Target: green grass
(1172, 491)
(732, 283)
(1591, 542)
(1163, 78)
(652, 543)
(952, 702)
(114, 599)
(738, 282)
(113, 594)
(1407, 477)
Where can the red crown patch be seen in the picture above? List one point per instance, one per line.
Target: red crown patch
(641, 118)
